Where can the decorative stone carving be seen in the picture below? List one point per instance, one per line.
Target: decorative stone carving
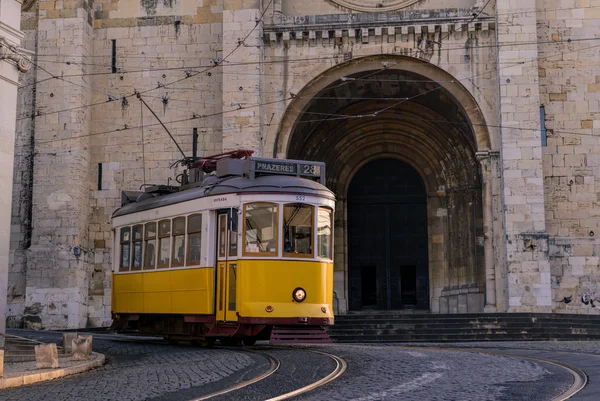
(425, 48)
(375, 5)
(11, 52)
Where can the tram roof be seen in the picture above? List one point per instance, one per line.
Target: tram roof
(231, 185)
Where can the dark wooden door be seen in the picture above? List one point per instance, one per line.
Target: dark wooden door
(387, 238)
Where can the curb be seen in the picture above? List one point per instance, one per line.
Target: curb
(31, 378)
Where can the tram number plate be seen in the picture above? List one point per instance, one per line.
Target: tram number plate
(310, 169)
(300, 198)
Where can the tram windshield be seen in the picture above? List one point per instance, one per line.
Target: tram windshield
(298, 229)
(260, 235)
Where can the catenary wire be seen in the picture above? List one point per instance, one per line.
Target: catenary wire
(303, 95)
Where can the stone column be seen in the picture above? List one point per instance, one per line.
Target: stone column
(242, 40)
(58, 265)
(340, 255)
(490, 274)
(11, 63)
(528, 269)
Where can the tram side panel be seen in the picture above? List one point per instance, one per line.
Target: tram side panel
(184, 291)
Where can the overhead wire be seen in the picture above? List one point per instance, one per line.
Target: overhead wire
(303, 60)
(240, 43)
(402, 100)
(289, 98)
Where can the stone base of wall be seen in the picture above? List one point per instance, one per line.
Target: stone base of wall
(462, 299)
(574, 265)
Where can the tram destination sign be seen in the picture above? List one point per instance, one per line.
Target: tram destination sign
(276, 167)
(284, 167)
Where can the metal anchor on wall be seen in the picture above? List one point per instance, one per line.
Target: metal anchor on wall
(567, 300)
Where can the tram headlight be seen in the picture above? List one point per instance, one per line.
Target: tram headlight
(299, 294)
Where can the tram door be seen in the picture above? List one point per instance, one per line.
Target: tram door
(227, 261)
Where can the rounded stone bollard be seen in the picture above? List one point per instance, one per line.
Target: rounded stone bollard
(68, 342)
(82, 348)
(46, 356)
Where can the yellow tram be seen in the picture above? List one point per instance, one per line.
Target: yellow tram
(243, 254)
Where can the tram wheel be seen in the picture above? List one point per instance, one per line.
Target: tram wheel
(249, 342)
(205, 343)
(230, 342)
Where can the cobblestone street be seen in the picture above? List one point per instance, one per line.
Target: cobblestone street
(141, 371)
(391, 373)
(150, 370)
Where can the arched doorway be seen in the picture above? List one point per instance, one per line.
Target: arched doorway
(387, 237)
(413, 113)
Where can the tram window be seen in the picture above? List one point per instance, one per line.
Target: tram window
(125, 249)
(137, 248)
(178, 242)
(324, 231)
(150, 251)
(194, 239)
(164, 243)
(233, 232)
(260, 230)
(222, 234)
(298, 230)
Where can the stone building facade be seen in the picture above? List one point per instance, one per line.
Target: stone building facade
(13, 60)
(460, 136)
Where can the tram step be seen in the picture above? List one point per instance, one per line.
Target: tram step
(298, 335)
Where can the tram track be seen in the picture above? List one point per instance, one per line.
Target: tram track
(580, 378)
(340, 368)
(269, 374)
(274, 365)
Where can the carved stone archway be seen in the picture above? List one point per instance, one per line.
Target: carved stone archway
(400, 107)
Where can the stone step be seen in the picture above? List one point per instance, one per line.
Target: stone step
(442, 326)
(19, 358)
(464, 330)
(339, 330)
(464, 337)
(454, 324)
(436, 317)
(386, 327)
(344, 318)
(20, 348)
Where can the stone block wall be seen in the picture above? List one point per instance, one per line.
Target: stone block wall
(156, 44)
(56, 278)
(570, 93)
(21, 223)
(528, 269)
